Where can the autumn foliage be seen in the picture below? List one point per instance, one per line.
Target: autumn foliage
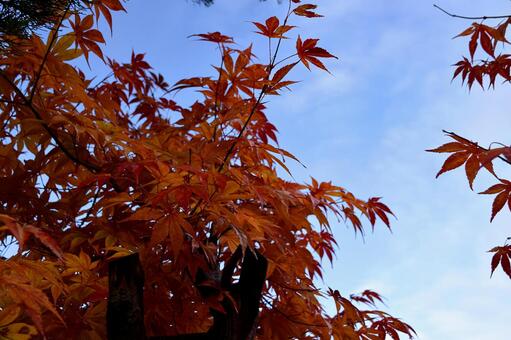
(487, 63)
(94, 169)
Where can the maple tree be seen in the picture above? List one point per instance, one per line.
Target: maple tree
(94, 171)
(487, 62)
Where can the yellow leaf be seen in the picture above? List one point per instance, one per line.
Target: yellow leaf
(17, 331)
(8, 315)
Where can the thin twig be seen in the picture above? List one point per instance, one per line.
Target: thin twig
(216, 89)
(286, 58)
(52, 134)
(243, 128)
(7, 101)
(46, 54)
(272, 64)
(75, 107)
(262, 93)
(89, 211)
(475, 144)
(480, 147)
(296, 289)
(472, 18)
(7, 121)
(265, 87)
(89, 166)
(289, 318)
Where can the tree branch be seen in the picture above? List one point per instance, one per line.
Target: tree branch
(271, 66)
(47, 53)
(475, 144)
(53, 135)
(125, 310)
(291, 319)
(74, 158)
(472, 18)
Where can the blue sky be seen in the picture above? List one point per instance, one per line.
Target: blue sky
(366, 127)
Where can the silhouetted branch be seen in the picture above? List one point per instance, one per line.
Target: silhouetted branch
(475, 144)
(125, 311)
(472, 18)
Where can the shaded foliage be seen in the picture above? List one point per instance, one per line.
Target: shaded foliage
(19, 18)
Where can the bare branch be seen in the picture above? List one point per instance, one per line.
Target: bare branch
(472, 18)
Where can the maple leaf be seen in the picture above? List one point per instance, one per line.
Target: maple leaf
(86, 37)
(376, 208)
(469, 153)
(215, 37)
(453, 161)
(368, 297)
(388, 325)
(308, 52)
(272, 28)
(45, 239)
(62, 48)
(306, 10)
(502, 256)
(503, 191)
(105, 6)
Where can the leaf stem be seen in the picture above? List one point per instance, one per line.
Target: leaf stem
(475, 144)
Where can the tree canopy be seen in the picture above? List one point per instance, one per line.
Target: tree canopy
(95, 170)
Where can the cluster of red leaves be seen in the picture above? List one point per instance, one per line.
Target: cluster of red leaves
(492, 64)
(502, 256)
(475, 158)
(94, 171)
(465, 152)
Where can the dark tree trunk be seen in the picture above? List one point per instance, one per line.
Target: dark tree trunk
(125, 313)
(247, 293)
